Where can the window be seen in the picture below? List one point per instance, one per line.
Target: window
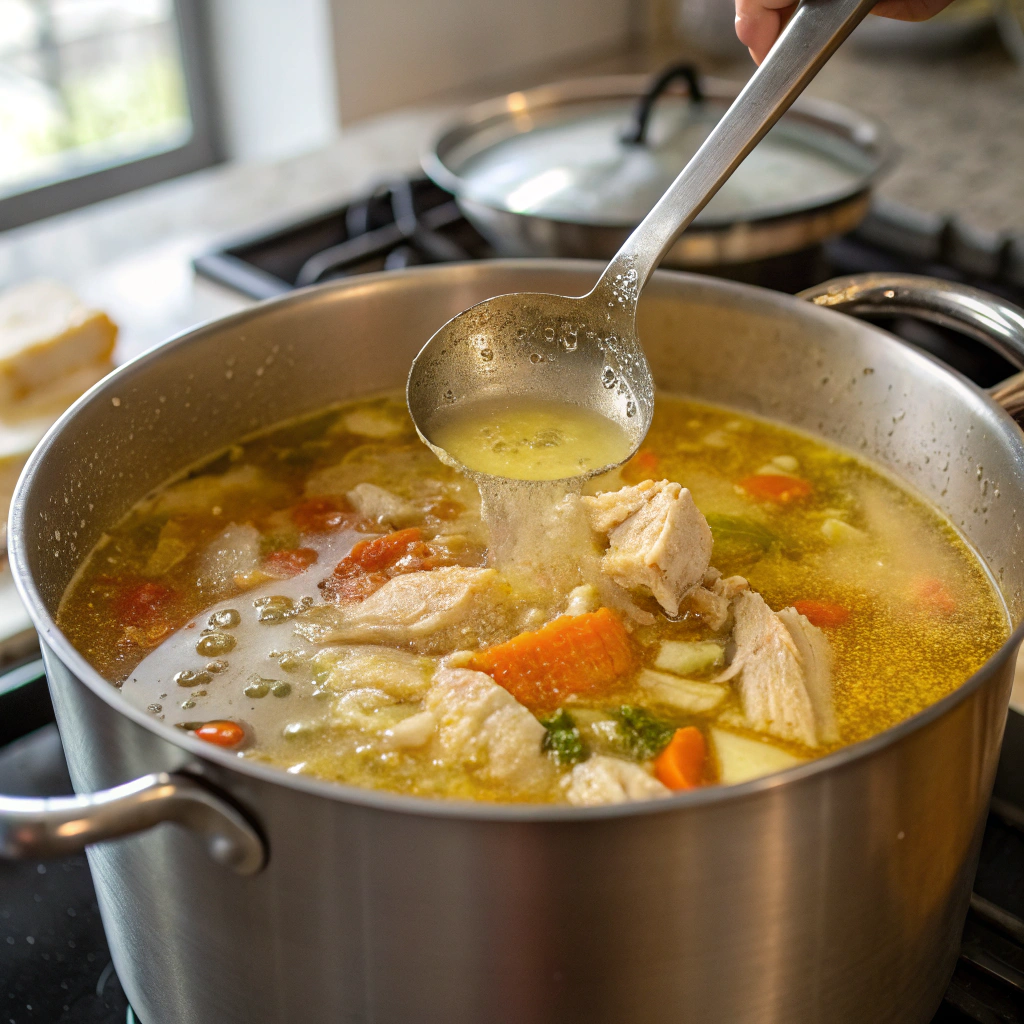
(97, 97)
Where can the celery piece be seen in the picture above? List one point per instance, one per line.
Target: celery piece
(682, 694)
(688, 657)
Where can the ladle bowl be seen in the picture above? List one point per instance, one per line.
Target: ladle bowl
(585, 351)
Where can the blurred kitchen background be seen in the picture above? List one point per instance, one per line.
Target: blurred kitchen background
(136, 133)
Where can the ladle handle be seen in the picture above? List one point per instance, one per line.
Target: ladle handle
(814, 32)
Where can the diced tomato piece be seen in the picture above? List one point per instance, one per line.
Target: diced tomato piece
(382, 552)
(775, 487)
(681, 764)
(575, 654)
(934, 595)
(290, 563)
(143, 603)
(371, 563)
(823, 613)
(643, 466)
(322, 515)
(221, 733)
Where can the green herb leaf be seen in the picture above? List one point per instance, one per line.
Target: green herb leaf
(278, 540)
(562, 739)
(643, 734)
(740, 530)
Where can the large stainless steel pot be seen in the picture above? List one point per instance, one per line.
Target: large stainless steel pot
(833, 892)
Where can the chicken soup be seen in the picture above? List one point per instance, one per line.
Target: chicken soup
(329, 598)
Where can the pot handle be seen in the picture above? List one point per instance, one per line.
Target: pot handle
(33, 827)
(987, 318)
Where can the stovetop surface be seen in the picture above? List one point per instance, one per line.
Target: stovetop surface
(55, 966)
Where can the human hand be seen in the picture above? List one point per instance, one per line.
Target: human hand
(759, 22)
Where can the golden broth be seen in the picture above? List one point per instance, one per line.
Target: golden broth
(523, 438)
(919, 612)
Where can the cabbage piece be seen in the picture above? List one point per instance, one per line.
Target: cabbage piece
(686, 695)
(686, 657)
(741, 758)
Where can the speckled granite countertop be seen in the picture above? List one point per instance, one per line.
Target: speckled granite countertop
(959, 122)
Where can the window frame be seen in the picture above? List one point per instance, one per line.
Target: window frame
(202, 149)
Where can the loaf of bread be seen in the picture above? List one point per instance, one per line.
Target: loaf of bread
(52, 347)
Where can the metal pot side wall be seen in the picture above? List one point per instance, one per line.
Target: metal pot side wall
(838, 898)
(836, 895)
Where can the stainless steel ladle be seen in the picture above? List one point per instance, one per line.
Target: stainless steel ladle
(585, 350)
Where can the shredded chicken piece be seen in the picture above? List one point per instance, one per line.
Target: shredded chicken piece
(712, 600)
(400, 674)
(382, 506)
(410, 732)
(582, 600)
(783, 666)
(432, 610)
(816, 660)
(610, 780)
(483, 727)
(657, 539)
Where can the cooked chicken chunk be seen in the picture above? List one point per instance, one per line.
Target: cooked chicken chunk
(483, 727)
(233, 552)
(712, 600)
(433, 610)
(610, 780)
(657, 539)
(410, 732)
(382, 506)
(401, 675)
(783, 666)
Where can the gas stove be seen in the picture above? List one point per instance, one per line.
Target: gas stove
(54, 963)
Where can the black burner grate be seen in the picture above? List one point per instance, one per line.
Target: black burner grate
(400, 224)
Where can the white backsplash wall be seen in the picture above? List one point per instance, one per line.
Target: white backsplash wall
(394, 52)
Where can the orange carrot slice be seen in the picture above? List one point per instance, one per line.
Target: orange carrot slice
(642, 466)
(291, 562)
(221, 733)
(775, 487)
(823, 613)
(576, 654)
(681, 764)
(934, 595)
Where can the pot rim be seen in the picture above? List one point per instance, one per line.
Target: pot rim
(866, 133)
(467, 810)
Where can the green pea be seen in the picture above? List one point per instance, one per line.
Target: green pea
(214, 644)
(226, 618)
(258, 687)
(281, 689)
(292, 661)
(190, 679)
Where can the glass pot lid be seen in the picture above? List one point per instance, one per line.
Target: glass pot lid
(570, 153)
